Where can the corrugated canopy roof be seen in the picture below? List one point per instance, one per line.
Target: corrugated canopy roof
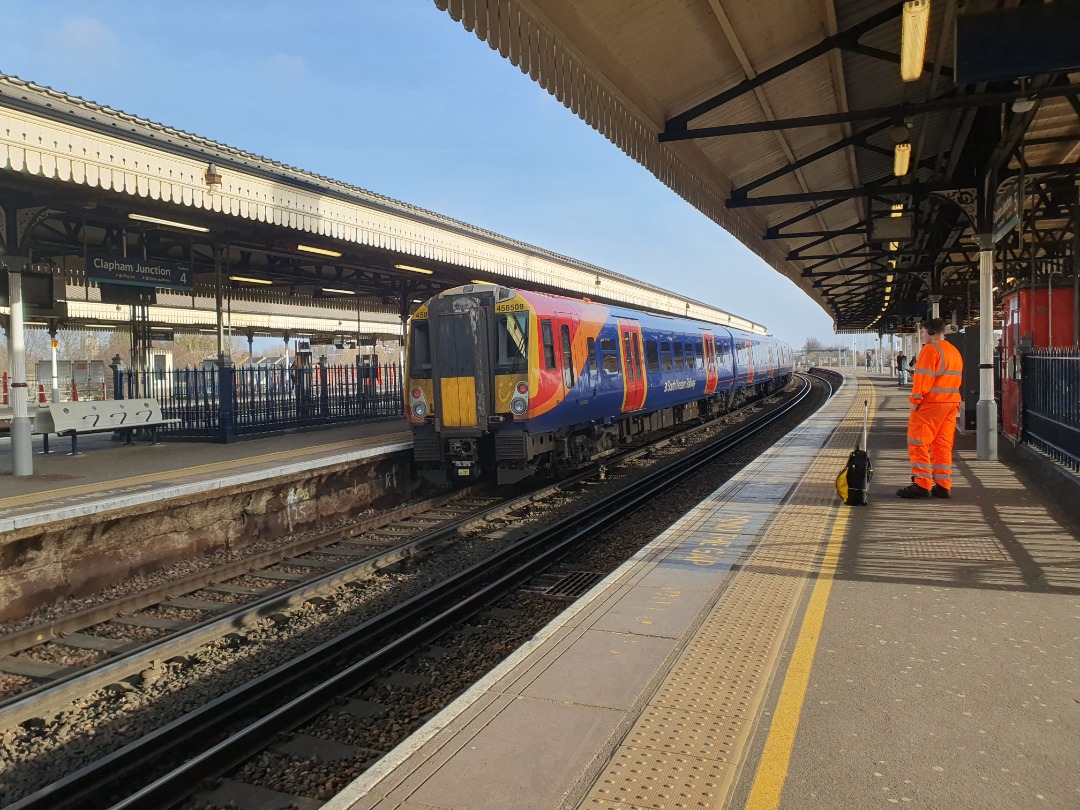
(778, 120)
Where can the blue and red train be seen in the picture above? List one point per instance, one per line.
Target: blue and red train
(514, 382)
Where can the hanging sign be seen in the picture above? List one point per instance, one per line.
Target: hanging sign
(1006, 207)
(138, 272)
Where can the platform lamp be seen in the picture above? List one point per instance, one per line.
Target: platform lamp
(916, 22)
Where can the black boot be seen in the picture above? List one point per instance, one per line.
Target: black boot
(940, 492)
(912, 491)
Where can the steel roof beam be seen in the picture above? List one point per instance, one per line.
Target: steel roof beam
(858, 139)
(895, 112)
(889, 56)
(775, 229)
(839, 194)
(681, 121)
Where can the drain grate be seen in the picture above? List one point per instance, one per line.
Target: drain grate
(953, 548)
(572, 585)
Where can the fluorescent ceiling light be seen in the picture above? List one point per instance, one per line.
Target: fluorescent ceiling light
(901, 159)
(913, 39)
(34, 323)
(412, 269)
(889, 278)
(251, 280)
(100, 325)
(168, 223)
(320, 251)
(343, 292)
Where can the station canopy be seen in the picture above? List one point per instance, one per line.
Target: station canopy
(128, 211)
(859, 147)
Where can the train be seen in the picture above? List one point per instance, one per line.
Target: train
(514, 383)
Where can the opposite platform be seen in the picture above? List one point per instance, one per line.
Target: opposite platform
(776, 648)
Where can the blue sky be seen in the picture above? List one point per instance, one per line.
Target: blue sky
(395, 97)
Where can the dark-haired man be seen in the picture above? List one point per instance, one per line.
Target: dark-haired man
(935, 401)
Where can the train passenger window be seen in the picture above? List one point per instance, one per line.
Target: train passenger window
(665, 355)
(700, 355)
(608, 345)
(549, 345)
(610, 362)
(628, 353)
(637, 355)
(511, 337)
(420, 350)
(567, 356)
(680, 362)
(690, 361)
(590, 349)
(652, 356)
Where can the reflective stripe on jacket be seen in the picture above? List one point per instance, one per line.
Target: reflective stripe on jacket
(938, 374)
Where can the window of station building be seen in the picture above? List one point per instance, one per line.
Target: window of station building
(420, 350)
(665, 355)
(590, 349)
(549, 345)
(567, 356)
(680, 361)
(511, 343)
(652, 356)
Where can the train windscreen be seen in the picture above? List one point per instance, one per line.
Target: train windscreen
(512, 343)
(420, 351)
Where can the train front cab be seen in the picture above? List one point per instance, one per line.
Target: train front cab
(468, 376)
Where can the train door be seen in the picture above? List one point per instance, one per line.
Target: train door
(711, 376)
(633, 367)
(749, 362)
(566, 326)
(462, 351)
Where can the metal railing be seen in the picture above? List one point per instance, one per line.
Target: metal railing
(1051, 391)
(223, 403)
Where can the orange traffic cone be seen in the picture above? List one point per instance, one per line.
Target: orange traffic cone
(41, 394)
(5, 387)
(74, 392)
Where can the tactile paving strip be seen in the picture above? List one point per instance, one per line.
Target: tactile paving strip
(684, 749)
(953, 548)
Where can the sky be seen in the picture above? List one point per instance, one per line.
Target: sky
(395, 97)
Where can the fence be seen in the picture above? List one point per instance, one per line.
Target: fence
(229, 402)
(1051, 386)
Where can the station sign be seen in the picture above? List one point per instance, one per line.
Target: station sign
(139, 272)
(1006, 207)
(162, 334)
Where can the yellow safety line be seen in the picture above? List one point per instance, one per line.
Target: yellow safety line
(772, 770)
(120, 483)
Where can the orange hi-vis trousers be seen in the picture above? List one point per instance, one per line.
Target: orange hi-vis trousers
(931, 430)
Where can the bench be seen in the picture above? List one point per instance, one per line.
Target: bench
(122, 415)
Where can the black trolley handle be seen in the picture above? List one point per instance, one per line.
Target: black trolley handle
(865, 420)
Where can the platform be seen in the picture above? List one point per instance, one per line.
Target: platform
(109, 475)
(774, 648)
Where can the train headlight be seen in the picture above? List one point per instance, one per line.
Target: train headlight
(419, 410)
(417, 393)
(518, 406)
(523, 388)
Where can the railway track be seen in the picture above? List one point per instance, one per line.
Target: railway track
(305, 685)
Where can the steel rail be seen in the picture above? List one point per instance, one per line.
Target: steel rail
(454, 600)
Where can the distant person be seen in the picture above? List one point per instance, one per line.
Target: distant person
(935, 402)
(869, 360)
(901, 368)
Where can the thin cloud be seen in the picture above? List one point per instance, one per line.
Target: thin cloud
(82, 33)
(286, 66)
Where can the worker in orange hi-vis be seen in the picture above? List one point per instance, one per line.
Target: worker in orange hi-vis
(935, 402)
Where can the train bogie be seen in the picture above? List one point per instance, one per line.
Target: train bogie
(513, 382)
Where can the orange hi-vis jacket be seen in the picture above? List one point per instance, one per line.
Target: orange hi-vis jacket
(938, 374)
